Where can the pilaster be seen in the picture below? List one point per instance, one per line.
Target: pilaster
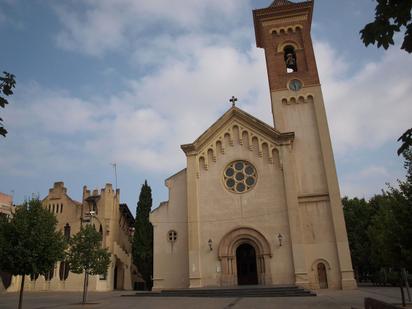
(298, 247)
(193, 223)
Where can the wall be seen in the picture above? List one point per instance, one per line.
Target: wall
(171, 259)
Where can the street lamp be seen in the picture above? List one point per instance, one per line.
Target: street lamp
(92, 214)
(210, 244)
(280, 237)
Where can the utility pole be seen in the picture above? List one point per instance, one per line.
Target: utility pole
(115, 173)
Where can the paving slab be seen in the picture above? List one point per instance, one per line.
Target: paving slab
(330, 299)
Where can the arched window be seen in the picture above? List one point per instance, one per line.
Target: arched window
(172, 236)
(290, 59)
(64, 270)
(101, 230)
(67, 231)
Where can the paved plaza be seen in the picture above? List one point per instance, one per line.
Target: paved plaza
(325, 299)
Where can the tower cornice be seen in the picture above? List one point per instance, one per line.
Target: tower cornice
(280, 11)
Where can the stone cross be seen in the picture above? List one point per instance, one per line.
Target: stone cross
(233, 100)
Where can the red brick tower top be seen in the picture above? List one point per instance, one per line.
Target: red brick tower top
(283, 30)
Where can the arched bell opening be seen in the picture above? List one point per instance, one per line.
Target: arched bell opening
(290, 59)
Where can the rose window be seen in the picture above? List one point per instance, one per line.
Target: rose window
(240, 176)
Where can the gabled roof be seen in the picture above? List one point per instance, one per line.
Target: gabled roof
(252, 121)
(125, 211)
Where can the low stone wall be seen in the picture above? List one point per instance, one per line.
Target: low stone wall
(371, 303)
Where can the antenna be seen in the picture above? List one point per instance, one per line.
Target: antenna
(115, 173)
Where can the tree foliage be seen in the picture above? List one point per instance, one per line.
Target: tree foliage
(380, 230)
(85, 254)
(7, 83)
(391, 16)
(29, 243)
(406, 139)
(358, 216)
(143, 236)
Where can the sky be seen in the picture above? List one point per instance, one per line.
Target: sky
(129, 81)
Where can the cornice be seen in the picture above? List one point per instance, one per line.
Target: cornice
(282, 13)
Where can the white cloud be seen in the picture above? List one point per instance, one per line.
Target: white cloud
(368, 181)
(96, 27)
(141, 127)
(147, 122)
(370, 106)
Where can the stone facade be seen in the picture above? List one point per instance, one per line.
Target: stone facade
(259, 204)
(6, 205)
(113, 220)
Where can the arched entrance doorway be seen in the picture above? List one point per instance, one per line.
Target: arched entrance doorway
(246, 265)
(322, 276)
(243, 248)
(118, 276)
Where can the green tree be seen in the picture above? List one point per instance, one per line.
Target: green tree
(29, 243)
(391, 230)
(7, 83)
(85, 254)
(358, 216)
(391, 16)
(406, 140)
(143, 236)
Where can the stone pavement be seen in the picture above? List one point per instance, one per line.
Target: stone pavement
(326, 299)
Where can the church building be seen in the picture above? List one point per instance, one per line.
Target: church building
(258, 203)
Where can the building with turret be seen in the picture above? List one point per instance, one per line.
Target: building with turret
(114, 221)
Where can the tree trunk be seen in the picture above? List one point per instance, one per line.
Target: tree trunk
(85, 286)
(21, 292)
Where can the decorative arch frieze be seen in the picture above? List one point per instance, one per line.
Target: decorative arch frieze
(282, 45)
(237, 127)
(238, 133)
(286, 29)
(299, 99)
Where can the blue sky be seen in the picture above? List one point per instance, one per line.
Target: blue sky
(128, 81)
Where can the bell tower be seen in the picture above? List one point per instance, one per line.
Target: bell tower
(283, 31)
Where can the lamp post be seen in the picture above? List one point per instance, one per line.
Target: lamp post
(280, 238)
(92, 214)
(210, 244)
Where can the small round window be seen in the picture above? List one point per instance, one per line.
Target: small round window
(240, 176)
(172, 236)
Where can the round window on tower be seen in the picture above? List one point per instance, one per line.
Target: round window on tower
(239, 176)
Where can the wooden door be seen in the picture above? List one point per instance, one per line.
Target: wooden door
(322, 276)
